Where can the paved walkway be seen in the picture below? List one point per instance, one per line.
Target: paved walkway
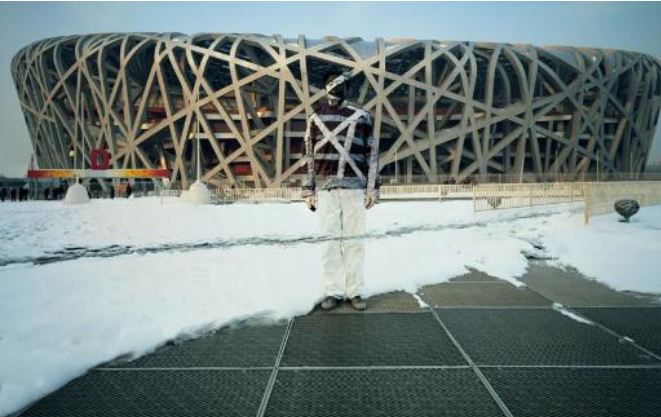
(482, 347)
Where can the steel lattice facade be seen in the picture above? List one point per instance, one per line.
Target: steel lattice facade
(442, 109)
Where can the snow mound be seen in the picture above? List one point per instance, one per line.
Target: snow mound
(76, 194)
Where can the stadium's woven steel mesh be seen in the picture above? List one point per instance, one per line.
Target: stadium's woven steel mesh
(443, 110)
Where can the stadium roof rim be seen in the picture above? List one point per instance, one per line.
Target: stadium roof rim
(350, 39)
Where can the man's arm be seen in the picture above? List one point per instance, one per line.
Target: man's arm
(373, 180)
(309, 182)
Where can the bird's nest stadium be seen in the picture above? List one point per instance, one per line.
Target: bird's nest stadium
(442, 110)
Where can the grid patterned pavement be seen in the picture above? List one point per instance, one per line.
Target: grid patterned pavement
(482, 348)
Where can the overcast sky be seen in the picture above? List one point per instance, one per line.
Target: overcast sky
(631, 26)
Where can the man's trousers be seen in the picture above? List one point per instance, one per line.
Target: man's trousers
(342, 216)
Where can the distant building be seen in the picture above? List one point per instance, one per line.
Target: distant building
(443, 110)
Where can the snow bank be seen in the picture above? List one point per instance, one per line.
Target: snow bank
(32, 229)
(624, 256)
(59, 319)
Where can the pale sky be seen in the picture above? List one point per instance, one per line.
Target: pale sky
(619, 25)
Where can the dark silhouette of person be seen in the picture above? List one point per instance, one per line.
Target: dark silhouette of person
(46, 193)
(3, 194)
(129, 190)
(13, 194)
(112, 191)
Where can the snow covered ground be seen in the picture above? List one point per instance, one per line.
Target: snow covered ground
(82, 285)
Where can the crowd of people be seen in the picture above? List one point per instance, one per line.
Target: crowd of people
(55, 192)
(23, 193)
(14, 194)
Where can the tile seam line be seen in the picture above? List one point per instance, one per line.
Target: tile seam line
(651, 307)
(378, 367)
(495, 307)
(425, 310)
(494, 395)
(184, 368)
(655, 366)
(271, 382)
(372, 368)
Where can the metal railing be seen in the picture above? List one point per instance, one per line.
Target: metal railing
(390, 192)
(600, 198)
(425, 191)
(597, 197)
(650, 175)
(258, 194)
(504, 196)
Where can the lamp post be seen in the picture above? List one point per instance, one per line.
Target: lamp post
(197, 135)
(77, 193)
(631, 176)
(396, 166)
(198, 191)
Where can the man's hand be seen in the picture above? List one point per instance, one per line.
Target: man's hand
(311, 202)
(370, 200)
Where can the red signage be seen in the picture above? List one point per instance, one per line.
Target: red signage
(99, 158)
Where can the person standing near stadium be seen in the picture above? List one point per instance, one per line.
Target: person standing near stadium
(340, 149)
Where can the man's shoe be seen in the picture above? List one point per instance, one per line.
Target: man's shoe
(358, 303)
(329, 303)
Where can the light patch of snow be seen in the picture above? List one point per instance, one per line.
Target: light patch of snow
(420, 301)
(624, 256)
(32, 229)
(37, 228)
(562, 310)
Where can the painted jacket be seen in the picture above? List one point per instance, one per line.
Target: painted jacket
(340, 150)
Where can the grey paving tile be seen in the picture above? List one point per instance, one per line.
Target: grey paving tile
(242, 346)
(578, 392)
(369, 339)
(643, 325)
(360, 393)
(478, 294)
(476, 276)
(157, 393)
(574, 289)
(536, 337)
